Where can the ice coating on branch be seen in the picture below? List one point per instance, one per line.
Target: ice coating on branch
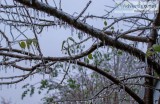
(13, 69)
(15, 86)
(5, 69)
(43, 75)
(72, 30)
(1, 87)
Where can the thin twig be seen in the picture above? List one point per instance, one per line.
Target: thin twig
(83, 10)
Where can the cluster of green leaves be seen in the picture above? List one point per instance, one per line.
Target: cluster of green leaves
(72, 83)
(98, 58)
(70, 46)
(112, 27)
(105, 24)
(30, 89)
(88, 58)
(44, 84)
(119, 53)
(67, 47)
(49, 100)
(155, 49)
(27, 43)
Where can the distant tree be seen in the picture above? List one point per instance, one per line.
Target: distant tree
(116, 54)
(93, 87)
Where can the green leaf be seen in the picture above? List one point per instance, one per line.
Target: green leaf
(32, 91)
(25, 86)
(35, 42)
(39, 92)
(120, 52)
(70, 80)
(96, 76)
(73, 86)
(150, 52)
(156, 74)
(107, 70)
(80, 35)
(71, 83)
(156, 48)
(24, 94)
(22, 44)
(29, 42)
(78, 46)
(44, 84)
(90, 56)
(86, 60)
(105, 23)
(112, 28)
(54, 73)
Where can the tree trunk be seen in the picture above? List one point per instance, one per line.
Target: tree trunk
(148, 95)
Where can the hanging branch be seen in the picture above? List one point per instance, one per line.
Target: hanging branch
(19, 80)
(7, 40)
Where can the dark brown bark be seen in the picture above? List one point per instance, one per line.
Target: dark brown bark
(159, 101)
(148, 95)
